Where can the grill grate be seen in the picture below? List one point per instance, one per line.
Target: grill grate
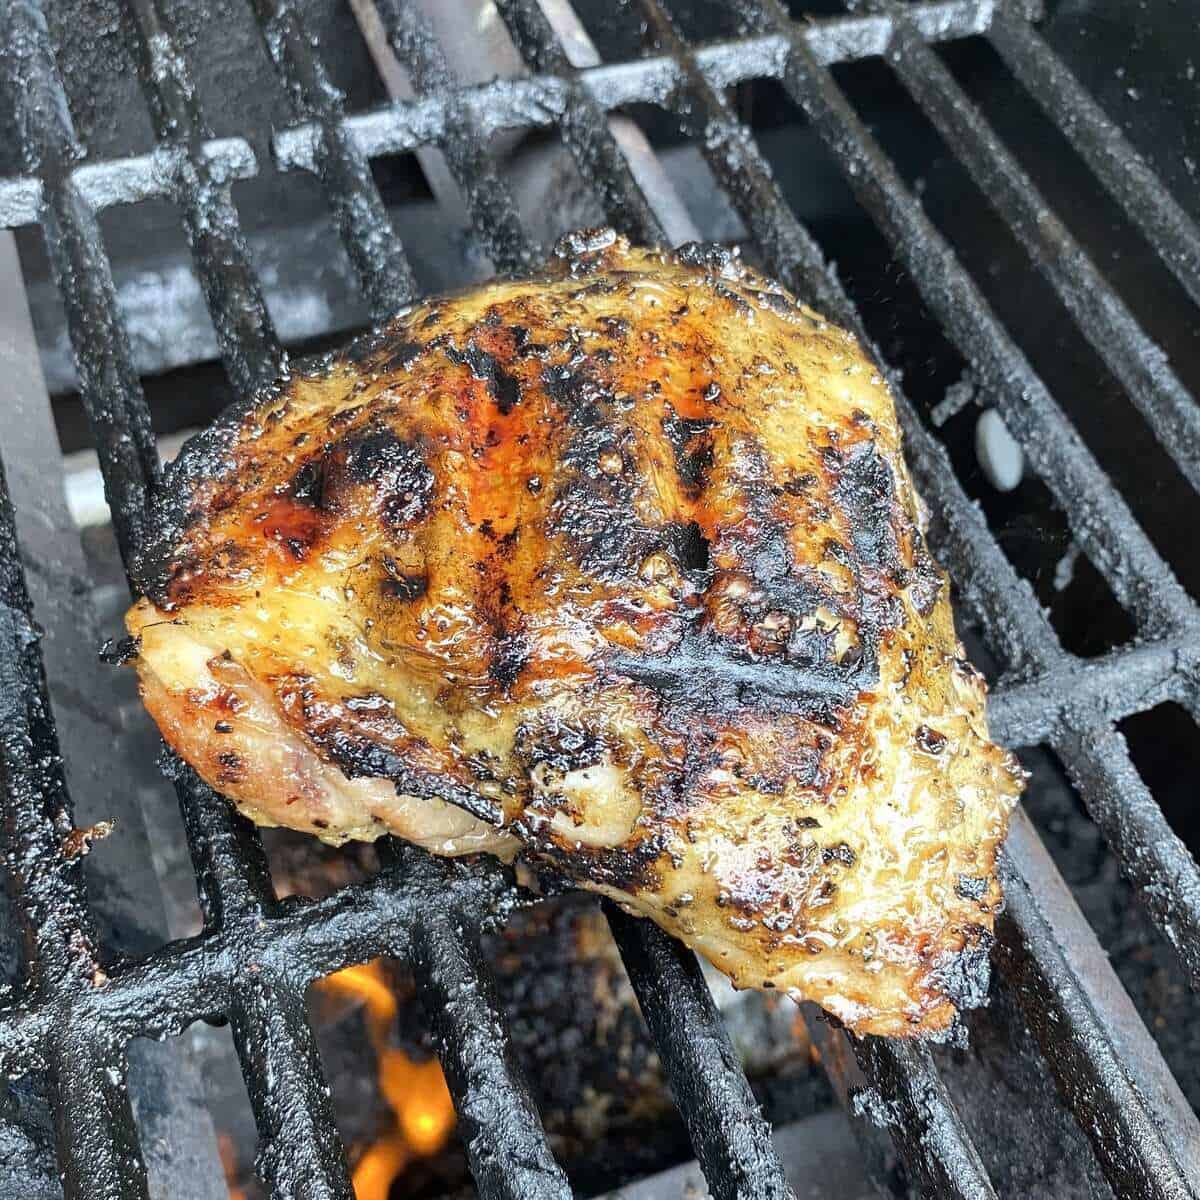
(256, 956)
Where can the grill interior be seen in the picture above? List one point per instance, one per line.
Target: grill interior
(81, 1008)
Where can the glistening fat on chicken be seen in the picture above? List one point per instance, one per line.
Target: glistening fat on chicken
(618, 568)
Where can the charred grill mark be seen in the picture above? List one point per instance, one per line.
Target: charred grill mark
(593, 508)
(706, 674)
(505, 389)
(691, 442)
(365, 740)
(632, 867)
(865, 489)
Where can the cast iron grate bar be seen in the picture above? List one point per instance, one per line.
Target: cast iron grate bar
(489, 201)
(1100, 519)
(300, 1153)
(1100, 314)
(358, 211)
(109, 388)
(249, 348)
(731, 1139)
(83, 1074)
(1127, 1099)
(1101, 144)
(584, 125)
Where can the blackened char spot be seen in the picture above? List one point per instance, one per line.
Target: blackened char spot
(709, 256)
(577, 393)
(405, 587)
(399, 355)
(505, 389)
(383, 352)
(508, 660)
(688, 545)
(865, 489)
(395, 468)
(308, 484)
(690, 439)
(557, 744)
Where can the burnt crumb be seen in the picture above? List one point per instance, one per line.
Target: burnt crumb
(223, 727)
(807, 823)
(712, 392)
(533, 484)
(841, 853)
(119, 652)
(797, 485)
(404, 587)
(930, 740)
(971, 887)
(232, 767)
(320, 823)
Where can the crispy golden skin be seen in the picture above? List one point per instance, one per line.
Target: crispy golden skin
(624, 563)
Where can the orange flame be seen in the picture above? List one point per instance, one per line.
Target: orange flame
(416, 1092)
(229, 1164)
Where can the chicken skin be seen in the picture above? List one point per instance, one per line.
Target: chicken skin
(620, 569)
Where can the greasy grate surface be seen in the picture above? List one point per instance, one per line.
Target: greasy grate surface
(75, 1015)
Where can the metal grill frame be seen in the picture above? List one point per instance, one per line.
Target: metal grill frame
(257, 956)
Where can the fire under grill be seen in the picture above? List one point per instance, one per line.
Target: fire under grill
(79, 1008)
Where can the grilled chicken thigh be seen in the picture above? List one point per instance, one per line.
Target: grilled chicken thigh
(619, 568)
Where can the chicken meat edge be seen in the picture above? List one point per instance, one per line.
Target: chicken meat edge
(619, 568)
